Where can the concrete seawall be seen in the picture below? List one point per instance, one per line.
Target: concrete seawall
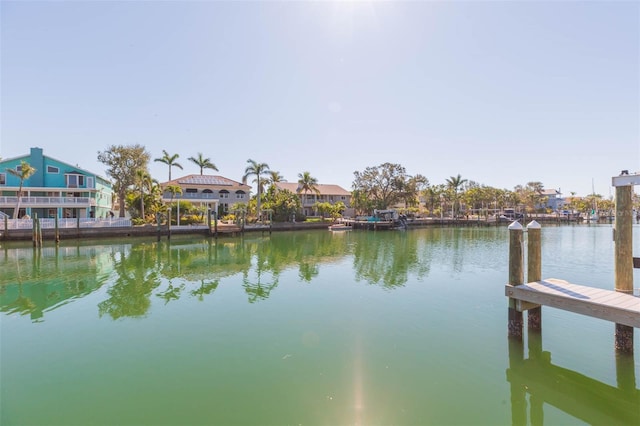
(225, 230)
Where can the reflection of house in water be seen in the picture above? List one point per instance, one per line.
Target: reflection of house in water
(43, 280)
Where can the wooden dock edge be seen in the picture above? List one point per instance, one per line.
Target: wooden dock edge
(609, 305)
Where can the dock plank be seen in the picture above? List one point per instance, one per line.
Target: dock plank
(621, 308)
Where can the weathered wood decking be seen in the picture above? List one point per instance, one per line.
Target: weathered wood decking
(610, 305)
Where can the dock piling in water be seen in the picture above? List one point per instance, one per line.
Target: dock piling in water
(534, 270)
(624, 259)
(516, 277)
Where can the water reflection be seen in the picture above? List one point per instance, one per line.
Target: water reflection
(34, 281)
(582, 397)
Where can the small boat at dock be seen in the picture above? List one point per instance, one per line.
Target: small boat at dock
(340, 227)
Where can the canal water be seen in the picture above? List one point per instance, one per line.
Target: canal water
(304, 328)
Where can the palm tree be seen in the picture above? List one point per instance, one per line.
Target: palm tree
(203, 163)
(143, 179)
(274, 177)
(455, 183)
(307, 183)
(173, 190)
(257, 169)
(26, 171)
(170, 160)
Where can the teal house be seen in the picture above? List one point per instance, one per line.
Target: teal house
(56, 189)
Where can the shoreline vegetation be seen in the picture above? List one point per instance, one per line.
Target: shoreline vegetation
(233, 230)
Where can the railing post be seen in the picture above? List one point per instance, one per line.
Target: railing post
(534, 270)
(624, 259)
(516, 277)
(169, 224)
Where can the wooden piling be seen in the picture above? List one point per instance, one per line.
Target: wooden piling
(516, 277)
(158, 226)
(169, 224)
(6, 227)
(215, 224)
(57, 229)
(209, 221)
(534, 270)
(34, 232)
(624, 259)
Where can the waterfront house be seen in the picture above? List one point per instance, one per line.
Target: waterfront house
(56, 189)
(326, 194)
(215, 192)
(553, 199)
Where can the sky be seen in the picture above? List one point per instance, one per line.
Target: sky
(502, 92)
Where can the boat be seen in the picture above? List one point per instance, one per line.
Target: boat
(339, 227)
(594, 217)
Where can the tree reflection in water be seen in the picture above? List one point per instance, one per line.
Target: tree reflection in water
(142, 271)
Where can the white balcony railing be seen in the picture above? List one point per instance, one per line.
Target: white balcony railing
(47, 201)
(67, 223)
(190, 196)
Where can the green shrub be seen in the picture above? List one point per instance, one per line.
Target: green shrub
(191, 219)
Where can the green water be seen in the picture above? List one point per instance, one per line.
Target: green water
(314, 328)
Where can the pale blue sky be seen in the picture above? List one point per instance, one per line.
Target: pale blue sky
(501, 92)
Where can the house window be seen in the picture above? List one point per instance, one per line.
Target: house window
(51, 213)
(240, 194)
(343, 198)
(53, 170)
(224, 193)
(75, 181)
(90, 182)
(19, 169)
(3, 178)
(207, 191)
(191, 190)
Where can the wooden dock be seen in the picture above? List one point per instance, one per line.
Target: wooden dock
(610, 305)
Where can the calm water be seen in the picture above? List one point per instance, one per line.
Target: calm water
(320, 328)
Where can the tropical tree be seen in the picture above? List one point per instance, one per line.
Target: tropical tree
(122, 162)
(455, 184)
(143, 182)
(173, 190)
(170, 160)
(413, 186)
(382, 184)
(307, 183)
(258, 170)
(531, 194)
(274, 177)
(25, 172)
(284, 205)
(203, 163)
(361, 202)
(433, 198)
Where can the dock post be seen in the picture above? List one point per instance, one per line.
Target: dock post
(534, 270)
(624, 259)
(6, 227)
(57, 231)
(516, 277)
(215, 224)
(169, 224)
(34, 231)
(209, 221)
(158, 225)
